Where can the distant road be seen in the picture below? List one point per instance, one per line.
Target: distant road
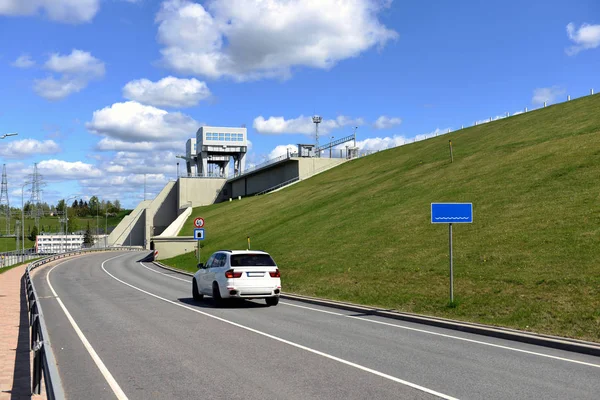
(150, 340)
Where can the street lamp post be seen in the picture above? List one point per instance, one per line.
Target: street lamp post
(330, 146)
(177, 172)
(67, 218)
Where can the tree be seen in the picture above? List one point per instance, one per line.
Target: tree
(88, 239)
(33, 233)
(94, 204)
(117, 205)
(75, 204)
(80, 203)
(60, 207)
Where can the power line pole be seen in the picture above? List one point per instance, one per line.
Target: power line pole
(4, 201)
(36, 200)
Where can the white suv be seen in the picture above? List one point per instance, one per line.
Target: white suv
(244, 274)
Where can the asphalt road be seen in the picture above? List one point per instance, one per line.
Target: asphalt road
(145, 338)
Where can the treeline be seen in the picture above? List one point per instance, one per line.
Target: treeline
(79, 208)
(89, 208)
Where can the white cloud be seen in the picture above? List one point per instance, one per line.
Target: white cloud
(24, 61)
(385, 122)
(167, 92)
(28, 147)
(108, 144)
(64, 170)
(253, 39)
(76, 71)
(282, 151)
(135, 122)
(301, 125)
(586, 37)
(548, 95)
(72, 11)
(378, 143)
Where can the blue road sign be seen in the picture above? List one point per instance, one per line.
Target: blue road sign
(451, 213)
(199, 234)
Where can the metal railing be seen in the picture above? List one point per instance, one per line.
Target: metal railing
(282, 184)
(9, 258)
(268, 162)
(44, 363)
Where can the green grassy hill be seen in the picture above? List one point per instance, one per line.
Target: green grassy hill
(361, 232)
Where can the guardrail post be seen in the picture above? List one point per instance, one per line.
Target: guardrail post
(35, 331)
(37, 368)
(32, 312)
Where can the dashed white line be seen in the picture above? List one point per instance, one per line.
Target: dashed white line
(299, 346)
(105, 372)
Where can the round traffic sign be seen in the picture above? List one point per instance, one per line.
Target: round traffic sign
(199, 222)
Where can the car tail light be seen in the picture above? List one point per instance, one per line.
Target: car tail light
(275, 274)
(233, 274)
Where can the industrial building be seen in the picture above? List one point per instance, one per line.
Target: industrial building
(58, 243)
(210, 152)
(155, 224)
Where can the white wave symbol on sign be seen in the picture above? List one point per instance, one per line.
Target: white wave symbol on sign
(452, 218)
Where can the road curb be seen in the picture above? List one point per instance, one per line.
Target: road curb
(556, 342)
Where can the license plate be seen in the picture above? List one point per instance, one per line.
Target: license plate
(255, 274)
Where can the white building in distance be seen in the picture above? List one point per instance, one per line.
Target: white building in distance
(58, 243)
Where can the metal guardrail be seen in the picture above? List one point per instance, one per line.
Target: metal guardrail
(44, 363)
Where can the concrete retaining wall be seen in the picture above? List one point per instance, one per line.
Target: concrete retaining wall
(161, 212)
(171, 246)
(121, 232)
(196, 192)
(175, 227)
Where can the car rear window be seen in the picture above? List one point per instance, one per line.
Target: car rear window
(252, 260)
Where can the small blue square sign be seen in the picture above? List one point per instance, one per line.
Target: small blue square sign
(451, 213)
(199, 234)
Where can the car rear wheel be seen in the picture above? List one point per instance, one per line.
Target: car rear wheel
(216, 294)
(272, 301)
(195, 294)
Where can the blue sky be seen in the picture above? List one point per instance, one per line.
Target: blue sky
(104, 91)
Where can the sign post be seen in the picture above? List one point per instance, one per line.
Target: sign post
(449, 213)
(199, 235)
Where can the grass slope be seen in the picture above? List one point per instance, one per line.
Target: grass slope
(361, 232)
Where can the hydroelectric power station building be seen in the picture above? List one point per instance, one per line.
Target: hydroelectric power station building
(211, 178)
(209, 154)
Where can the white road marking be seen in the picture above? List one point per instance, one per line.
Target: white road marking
(417, 330)
(329, 356)
(444, 335)
(161, 273)
(105, 372)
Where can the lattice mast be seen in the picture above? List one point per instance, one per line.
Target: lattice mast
(4, 201)
(317, 120)
(35, 201)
